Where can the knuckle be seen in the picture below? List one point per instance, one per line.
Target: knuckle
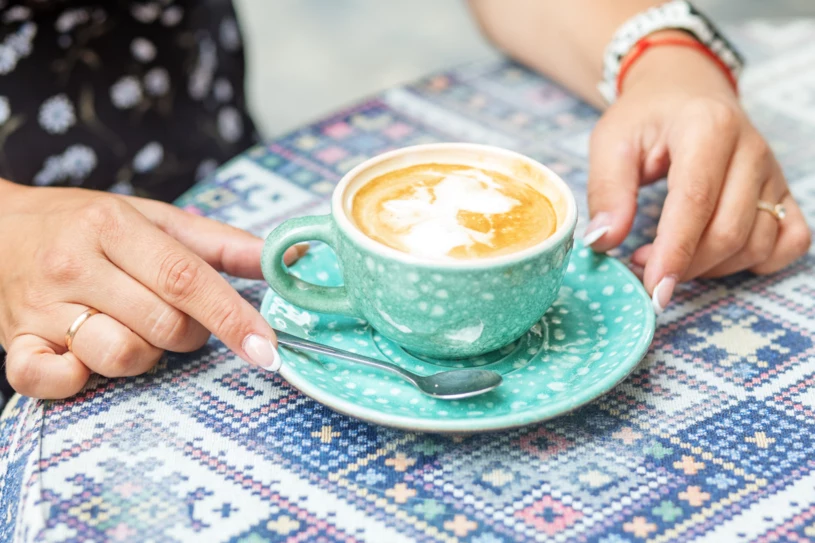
(178, 277)
(699, 196)
(198, 340)
(103, 213)
(758, 249)
(724, 117)
(728, 239)
(120, 358)
(761, 151)
(801, 240)
(170, 329)
(685, 251)
(721, 116)
(227, 322)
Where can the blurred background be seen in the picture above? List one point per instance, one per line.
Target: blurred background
(309, 57)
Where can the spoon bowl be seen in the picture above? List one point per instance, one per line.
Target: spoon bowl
(446, 385)
(455, 384)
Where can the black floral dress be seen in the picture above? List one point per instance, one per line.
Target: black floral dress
(140, 97)
(137, 97)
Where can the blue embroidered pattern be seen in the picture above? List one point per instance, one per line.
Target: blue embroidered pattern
(712, 438)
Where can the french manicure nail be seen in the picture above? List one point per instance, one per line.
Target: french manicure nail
(662, 293)
(599, 226)
(261, 352)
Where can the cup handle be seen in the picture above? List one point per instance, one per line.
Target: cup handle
(301, 293)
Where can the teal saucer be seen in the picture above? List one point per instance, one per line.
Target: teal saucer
(594, 335)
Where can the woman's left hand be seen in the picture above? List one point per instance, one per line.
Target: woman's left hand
(678, 116)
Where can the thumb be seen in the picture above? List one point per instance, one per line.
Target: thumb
(34, 369)
(614, 179)
(224, 247)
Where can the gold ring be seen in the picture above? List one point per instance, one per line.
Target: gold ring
(80, 320)
(777, 210)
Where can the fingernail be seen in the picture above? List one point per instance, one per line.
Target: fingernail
(599, 226)
(261, 352)
(302, 248)
(662, 293)
(637, 270)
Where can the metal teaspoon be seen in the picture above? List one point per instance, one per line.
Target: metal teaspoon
(446, 385)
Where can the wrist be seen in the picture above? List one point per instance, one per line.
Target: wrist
(679, 69)
(636, 36)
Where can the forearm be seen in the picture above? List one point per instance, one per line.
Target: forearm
(564, 40)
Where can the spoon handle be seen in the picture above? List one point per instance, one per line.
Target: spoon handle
(301, 344)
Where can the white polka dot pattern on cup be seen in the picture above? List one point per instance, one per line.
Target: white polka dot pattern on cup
(594, 334)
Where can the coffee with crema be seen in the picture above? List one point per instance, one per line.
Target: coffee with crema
(448, 211)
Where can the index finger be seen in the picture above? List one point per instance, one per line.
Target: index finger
(700, 158)
(185, 281)
(224, 247)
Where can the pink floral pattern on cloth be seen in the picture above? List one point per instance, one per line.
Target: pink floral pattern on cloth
(712, 438)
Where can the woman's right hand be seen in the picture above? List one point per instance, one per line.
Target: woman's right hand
(150, 269)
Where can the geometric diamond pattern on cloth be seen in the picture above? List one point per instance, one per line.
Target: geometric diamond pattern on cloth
(769, 438)
(711, 438)
(738, 342)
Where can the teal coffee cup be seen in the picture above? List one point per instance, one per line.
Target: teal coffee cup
(453, 308)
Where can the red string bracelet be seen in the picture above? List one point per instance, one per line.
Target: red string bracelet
(646, 43)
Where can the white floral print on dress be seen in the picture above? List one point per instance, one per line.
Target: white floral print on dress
(143, 50)
(165, 51)
(206, 168)
(145, 13)
(51, 172)
(5, 110)
(72, 18)
(230, 34)
(123, 187)
(28, 30)
(148, 158)
(172, 16)
(157, 82)
(20, 42)
(57, 114)
(201, 78)
(126, 92)
(16, 14)
(16, 46)
(8, 59)
(76, 163)
(230, 124)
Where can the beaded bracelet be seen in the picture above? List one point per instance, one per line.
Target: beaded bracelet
(673, 15)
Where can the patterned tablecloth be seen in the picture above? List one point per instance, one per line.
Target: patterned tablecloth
(711, 439)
